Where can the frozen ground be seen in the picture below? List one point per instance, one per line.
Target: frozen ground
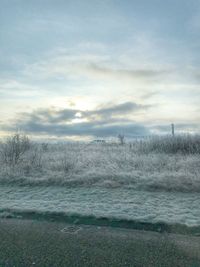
(118, 203)
(132, 182)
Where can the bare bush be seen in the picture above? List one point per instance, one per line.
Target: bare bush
(121, 139)
(35, 158)
(68, 163)
(13, 149)
(33, 161)
(45, 147)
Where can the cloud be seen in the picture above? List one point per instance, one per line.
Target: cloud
(85, 129)
(115, 110)
(95, 66)
(67, 115)
(99, 71)
(105, 121)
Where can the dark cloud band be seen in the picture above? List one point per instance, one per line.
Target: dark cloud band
(105, 121)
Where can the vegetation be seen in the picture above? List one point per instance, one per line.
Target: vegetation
(161, 163)
(13, 149)
(185, 144)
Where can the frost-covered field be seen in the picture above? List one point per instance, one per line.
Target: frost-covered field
(152, 180)
(153, 164)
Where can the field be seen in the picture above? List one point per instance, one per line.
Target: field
(155, 163)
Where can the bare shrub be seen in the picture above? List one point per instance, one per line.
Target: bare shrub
(68, 164)
(45, 147)
(121, 139)
(35, 157)
(33, 161)
(14, 148)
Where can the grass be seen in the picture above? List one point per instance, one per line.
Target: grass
(185, 144)
(156, 163)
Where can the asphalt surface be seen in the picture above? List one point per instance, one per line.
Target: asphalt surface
(27, 243)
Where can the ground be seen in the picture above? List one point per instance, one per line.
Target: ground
(38, 243)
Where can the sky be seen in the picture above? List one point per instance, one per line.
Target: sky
(85, 69)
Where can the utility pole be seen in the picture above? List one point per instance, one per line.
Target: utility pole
(173, 131)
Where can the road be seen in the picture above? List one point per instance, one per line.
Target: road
(26, 243)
